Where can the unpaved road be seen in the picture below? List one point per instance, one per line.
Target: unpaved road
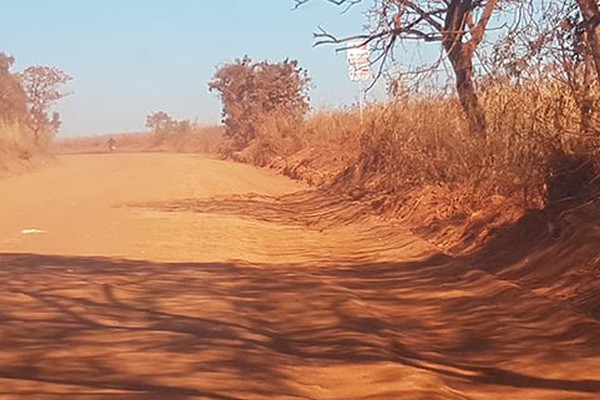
(179, 277)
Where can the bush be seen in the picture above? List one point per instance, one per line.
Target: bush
(262, 104)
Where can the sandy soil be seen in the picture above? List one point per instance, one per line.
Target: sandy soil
(163, 276)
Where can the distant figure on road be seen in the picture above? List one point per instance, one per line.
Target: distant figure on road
(111, 144)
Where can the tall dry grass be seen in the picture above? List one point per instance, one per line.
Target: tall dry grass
(416, 158)
(16, 142)
(425, 142)
(17, 149)
(418, 152)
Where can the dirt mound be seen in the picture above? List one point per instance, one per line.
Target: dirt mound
(318, 167)
(554, 256)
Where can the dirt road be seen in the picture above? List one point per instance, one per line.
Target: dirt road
(179, 277)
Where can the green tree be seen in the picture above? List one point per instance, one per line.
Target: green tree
(251, 91)
(42, 86)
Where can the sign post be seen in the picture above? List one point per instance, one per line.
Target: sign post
(359, 68)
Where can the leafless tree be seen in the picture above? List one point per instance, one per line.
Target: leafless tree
(591, 19)
(459, 25)
(552, 45)
(42, 85)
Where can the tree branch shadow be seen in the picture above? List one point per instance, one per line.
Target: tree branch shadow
(227, 330)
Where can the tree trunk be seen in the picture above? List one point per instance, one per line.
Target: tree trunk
(462, 63)
(591, 15)
(36, 136)
(587, 102)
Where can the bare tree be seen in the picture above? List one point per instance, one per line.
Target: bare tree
(591, 21)
(553, 44)
(160, 122)
(459, 25)
(42, 87)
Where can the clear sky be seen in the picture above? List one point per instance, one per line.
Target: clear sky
(131, 57)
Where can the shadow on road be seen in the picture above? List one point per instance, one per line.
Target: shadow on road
(107, 327)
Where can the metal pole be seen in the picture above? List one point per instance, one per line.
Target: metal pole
(360, 100)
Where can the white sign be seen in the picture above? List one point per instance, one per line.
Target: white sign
(362, 73)
(359, 62)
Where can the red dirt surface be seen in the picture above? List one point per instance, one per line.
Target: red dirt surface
(163, 276)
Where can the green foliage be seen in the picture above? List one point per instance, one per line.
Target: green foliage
(253, 93)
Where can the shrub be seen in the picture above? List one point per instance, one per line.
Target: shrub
(259, 101)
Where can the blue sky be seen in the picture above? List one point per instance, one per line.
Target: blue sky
(131, 57)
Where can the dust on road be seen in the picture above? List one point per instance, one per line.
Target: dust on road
(177, 277)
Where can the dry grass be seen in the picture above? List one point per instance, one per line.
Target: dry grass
(15, 141)
(533, 132)
(18, 151)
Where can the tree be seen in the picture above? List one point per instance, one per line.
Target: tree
(251, 92)
(42, 85)
(159, 122)
(459, 25)
(183, 127)
(551, 43)
(591, 22)
(13, 100)
(575, 53)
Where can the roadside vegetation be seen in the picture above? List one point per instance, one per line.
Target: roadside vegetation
(27, 124)
(521, 132)
(263, 106)
(515, 127)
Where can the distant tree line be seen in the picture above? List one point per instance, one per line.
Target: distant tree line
(162, 124)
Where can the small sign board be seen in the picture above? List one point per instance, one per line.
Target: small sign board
(362, 73)
(359, 62)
